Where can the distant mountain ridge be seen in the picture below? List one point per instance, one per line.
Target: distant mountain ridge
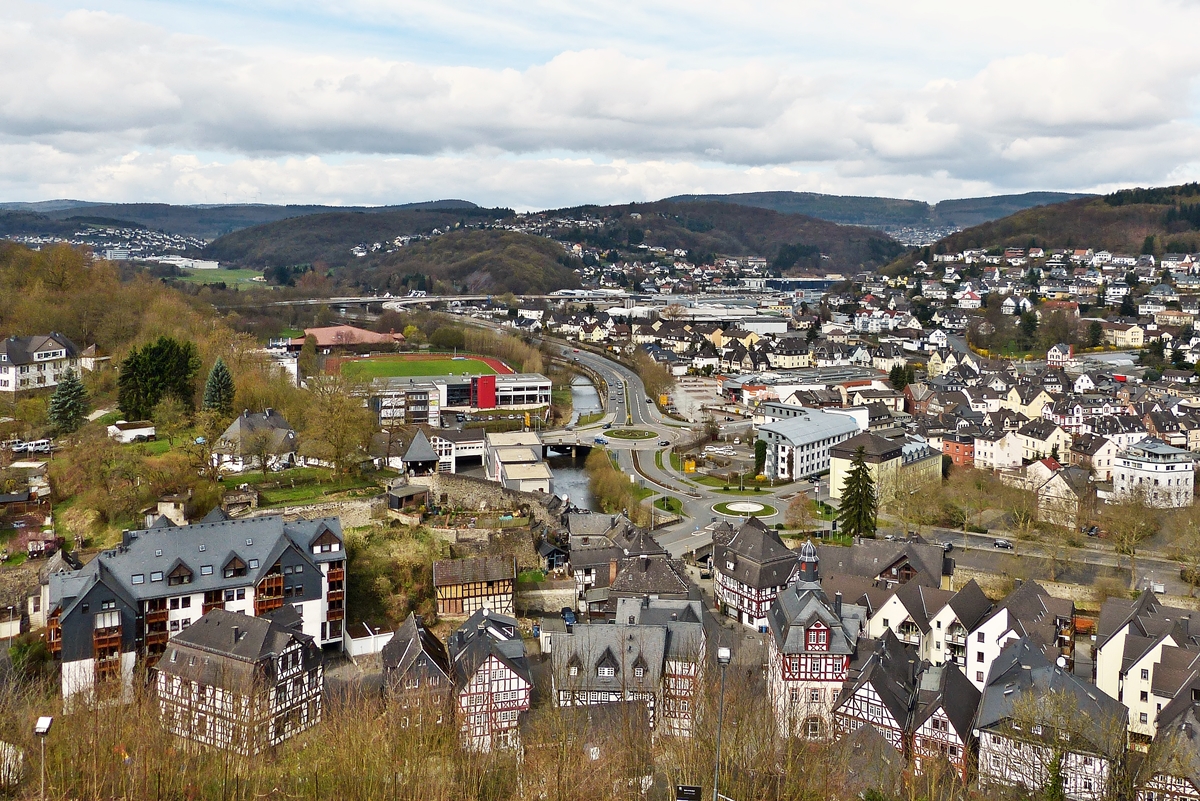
(885, 212)
(206, 221)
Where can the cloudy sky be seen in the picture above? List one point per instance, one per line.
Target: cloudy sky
(537, 104)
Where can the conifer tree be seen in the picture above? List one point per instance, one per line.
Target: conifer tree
(898, 377)
(69, 405)
(219, 389)
(856, 518)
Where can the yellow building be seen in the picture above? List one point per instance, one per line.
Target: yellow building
(895, 465)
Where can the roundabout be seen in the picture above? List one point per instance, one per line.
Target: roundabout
(630, 433)
(744, 509)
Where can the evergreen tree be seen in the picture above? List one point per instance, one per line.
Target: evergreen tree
(898, 377)
(69, 405)
(856, 518)
(148, 374)
(219, 389)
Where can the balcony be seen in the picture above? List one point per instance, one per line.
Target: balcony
(336, 595)
(337, 574)
(335, 614)
(157, 617)
(156, 638)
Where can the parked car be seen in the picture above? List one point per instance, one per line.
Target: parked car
(1002, 544)
(568, 615)
(947, 546)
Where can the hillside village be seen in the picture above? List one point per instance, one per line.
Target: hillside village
(1062, 384)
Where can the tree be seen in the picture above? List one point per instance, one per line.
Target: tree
(306, 362)
(1186, 548)
(259, 448)
(1128, 522)
(800, 513)
(170, 418)
(69, 405)
(339, 424)
(447, 337)
(200, 450)
(859, 504)
(412, 335)
(760, 456)
(898, 377)
(1095, 334)
(148, 374)
(1127, 308)
(218, 389)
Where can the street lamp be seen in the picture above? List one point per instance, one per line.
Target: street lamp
(11, 617)
(723, 656)
(41, 729)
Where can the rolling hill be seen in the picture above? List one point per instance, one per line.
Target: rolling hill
(1120, 222)
(470, 261)
(206, 221)
(884, 212)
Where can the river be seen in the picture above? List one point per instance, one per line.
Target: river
(569, 476)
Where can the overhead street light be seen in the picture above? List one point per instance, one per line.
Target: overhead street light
(723, 657)
(41, 729)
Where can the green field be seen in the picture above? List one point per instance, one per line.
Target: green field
(392, 367)
(230, 277)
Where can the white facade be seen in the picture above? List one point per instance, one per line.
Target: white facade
(1009, 761)
(799, 446)
(1161, 475)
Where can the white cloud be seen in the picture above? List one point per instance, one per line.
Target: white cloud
(105, 105)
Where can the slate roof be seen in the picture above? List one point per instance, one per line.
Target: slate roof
(873, 445)
(759, 557)
(651, 575)
(624, 648)
(283, 437)
(802, 604)
(479, 568)
(419, 450)
(869, 558)
(891, 670)
(1147, 617)
(945, 687)
(21, 350)
(922, 603)
(409, 642)
(970, 605)
(1021, 669)
(483, 635)
(232, 650)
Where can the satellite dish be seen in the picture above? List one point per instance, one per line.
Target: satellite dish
(1061, 662)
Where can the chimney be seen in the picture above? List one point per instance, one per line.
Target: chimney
(837, 605)
(245, 412)
(612, 570)
(269, 411)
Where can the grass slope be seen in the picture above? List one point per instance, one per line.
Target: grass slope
(388, 367)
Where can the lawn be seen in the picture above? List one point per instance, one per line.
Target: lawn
(766, 511)
(400, 367)
(668, 504)
(630, 433)
(230, 277)
(300, 485)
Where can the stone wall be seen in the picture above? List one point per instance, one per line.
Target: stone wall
(547, 597)
(468, 492)
(1085, 597)
(353, 513)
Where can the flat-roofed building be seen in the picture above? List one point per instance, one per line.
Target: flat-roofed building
(799, 446)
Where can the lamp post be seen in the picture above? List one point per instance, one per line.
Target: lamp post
(723, 656)
(41, 730)
(11, 617)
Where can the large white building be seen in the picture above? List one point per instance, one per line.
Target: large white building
(37, 362)
(799, 446)
(1161, 475)
(131, 600)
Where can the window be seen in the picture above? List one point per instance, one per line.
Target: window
(606, 671)
(1145, 696)
(814, 696)
(885, 622)
(174, 625)
(979, 637)
(202, 548)
(574, 670)
(639, 672)
(228, 595)
(186, 602)
(1143, 718)
(1145, 674)
(979, 656)
(156, 575)
(979, 675)
(106, 605)
(299, 568)
(174, 603)
(158, 551)
(206, 570)
(253, 564)
(138, 578)
(287, 570)
(241, 595)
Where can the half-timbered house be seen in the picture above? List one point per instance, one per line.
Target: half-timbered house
(130, 601)
(751, 568)
(883, 694)
(492, 680)
(417, 673)
(941, 723)
(1177, 779)
(811, 644)
(239, 682)
(891, 563)
(1036, 719)
(464, 586)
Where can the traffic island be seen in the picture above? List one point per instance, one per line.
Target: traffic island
(744, 509)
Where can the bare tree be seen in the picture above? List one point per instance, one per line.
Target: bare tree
(339, 423)
(1128, 521)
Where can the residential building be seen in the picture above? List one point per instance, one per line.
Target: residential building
(1030, 613)
(464, 586)
(514, 459)
(883, 693)
(895, 466)
(951, 625)
(251, 438)
(1158, 474)
(750, 567)
(36, 362)
(1041, 438)
(492, 680)
(1035, 719)
(812, 642)
(132, 600)
(241, 683)
(799, 446)
(888, 564)
(417, 673)
(942, 721)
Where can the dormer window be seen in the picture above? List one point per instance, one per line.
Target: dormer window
(606, 671)
(180, 575)
(234, 568)
(573, 670)
(639, 672)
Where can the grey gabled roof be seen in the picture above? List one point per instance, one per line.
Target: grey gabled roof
(945, 687)
(970, 605)
(230, 650)
(802, 604)
(623, 648)
(419, 450)
(410, 641)
(891, 670)
(1022, 670)
(759, 557)
(21, 350)
(483, 635)
(283, 437)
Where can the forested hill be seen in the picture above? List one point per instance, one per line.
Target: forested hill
(62, 217)
(709, 229)
(1120, 222)
(886, 211)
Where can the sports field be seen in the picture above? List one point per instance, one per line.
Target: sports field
(398, 366)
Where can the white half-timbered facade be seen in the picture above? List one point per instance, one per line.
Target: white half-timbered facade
(941, 725)
(1179, 735)
(811, 644)
(1036, 719)
(882, 695)
(750, 569)
(492, 680)
(240, 683)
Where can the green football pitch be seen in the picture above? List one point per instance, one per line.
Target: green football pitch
(393, 367)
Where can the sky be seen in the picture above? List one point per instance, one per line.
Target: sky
(542, 104)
